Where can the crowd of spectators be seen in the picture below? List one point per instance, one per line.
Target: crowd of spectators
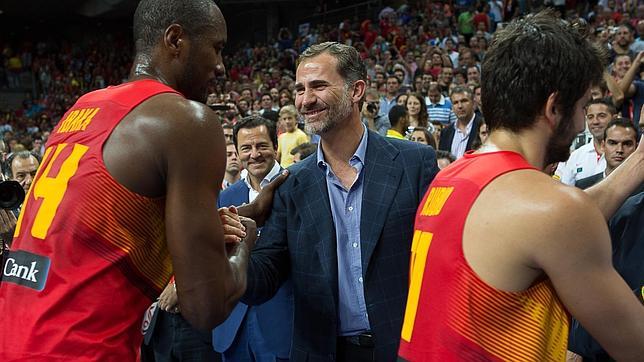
(429, 47)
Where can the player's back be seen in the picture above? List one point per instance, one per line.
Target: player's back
(88, 255)
(452, 312)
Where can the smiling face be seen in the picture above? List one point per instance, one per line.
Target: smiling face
(256, 151)
(413, 106)
(321, 95)
(622, 63)
(597, 117)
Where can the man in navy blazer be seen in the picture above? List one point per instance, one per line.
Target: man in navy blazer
(342, 223)
(263, 332)
(466, 128)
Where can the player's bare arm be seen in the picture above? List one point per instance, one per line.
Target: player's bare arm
(576, 255)
(610, 193)
(166, 132)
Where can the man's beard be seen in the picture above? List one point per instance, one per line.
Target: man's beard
(192, 87)
(335, 114)
(558, 148)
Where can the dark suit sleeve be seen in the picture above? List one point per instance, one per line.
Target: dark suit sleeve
(473, 137)
(428, 172)
(270, 262)
(445, 141)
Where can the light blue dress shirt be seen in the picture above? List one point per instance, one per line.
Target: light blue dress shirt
(346, 205)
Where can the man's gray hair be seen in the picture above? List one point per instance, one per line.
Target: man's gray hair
(350, 66)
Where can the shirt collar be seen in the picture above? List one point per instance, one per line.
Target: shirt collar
(358, 155)
(393, 133)
(468, 129)
(266, 180)
(441, 102)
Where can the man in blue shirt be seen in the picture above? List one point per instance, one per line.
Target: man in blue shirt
(389, 99)
(342, 225)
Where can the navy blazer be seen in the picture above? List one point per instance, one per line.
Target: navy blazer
(275, 317)
(447, 135)
(299, 241)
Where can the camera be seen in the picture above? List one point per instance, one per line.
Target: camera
(11, 194)
(219, 107)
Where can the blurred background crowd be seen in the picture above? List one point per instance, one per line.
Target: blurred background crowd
(416, 53)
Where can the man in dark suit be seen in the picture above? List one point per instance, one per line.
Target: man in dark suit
(263, 332)
(619, 142)
(459, 137)
(342, 224)
(626, 234)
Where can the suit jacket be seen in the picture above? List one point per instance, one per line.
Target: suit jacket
(275, 317)
(447, 135)
(589, 181)
(299, 241)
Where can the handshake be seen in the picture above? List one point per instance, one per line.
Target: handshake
(237, 229)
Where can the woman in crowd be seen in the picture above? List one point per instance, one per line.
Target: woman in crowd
(422, 135)
(417, 110)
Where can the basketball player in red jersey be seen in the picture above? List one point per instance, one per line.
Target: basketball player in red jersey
(123, 199)
(501, 251)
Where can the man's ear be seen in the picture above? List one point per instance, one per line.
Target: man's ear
(551, 111)
(359, 87)
(174, 39)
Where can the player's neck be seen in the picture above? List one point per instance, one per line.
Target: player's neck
(144, 68)
(527, 144)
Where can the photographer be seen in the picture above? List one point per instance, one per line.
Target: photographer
(20, 167)
(371, 115)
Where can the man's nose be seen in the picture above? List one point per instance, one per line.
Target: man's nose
(308, 98)
(254, 152)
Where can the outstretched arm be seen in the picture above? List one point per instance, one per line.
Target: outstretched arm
(577, 258)
(209, 280)
(610, 193)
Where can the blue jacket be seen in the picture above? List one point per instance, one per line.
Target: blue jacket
(299, 242)
(275, 316)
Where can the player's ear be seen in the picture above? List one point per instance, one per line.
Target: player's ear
(551, 111)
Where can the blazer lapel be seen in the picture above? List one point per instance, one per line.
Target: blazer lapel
(381, 179)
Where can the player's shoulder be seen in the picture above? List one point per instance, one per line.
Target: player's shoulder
(179, 109)
(548, 200)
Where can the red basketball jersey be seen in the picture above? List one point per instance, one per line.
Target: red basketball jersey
(453, 315)
(88, 255)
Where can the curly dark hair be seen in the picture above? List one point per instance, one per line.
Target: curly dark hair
(531, 59)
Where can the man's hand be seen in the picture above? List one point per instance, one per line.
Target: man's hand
(260, 209)
(251, 232)
(234, 230)
(7, 221)
(168, 300)
(573, 357)
(639, 58)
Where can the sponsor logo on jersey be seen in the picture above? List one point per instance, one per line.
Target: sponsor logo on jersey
(26, 269)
